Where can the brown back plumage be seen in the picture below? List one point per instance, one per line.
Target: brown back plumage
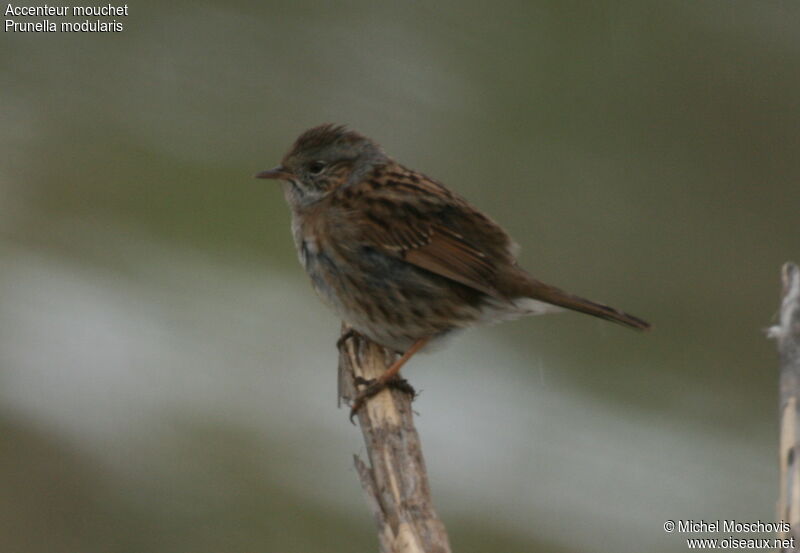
(419, 220)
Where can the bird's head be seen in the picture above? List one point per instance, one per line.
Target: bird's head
(322, 160)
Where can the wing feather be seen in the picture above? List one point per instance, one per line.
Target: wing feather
(415, 218)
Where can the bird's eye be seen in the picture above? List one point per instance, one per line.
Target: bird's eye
(316, 167)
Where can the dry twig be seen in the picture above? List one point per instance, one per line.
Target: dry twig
(787, 333)
(395, 480)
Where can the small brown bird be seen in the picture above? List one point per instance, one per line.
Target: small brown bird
(401, 258)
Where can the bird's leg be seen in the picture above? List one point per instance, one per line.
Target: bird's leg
(388, 378)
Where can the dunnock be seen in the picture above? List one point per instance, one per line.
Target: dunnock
(400, 257)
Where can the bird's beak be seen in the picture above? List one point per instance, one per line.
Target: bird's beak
(278, 172)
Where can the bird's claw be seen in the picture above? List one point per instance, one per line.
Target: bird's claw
(350, 333)
(375, 385)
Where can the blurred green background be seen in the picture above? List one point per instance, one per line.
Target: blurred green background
(167, 376)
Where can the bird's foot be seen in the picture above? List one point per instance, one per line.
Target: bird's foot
(375, 385)
(351, 333)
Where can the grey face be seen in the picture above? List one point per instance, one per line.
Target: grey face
(322, 160)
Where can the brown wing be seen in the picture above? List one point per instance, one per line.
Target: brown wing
(419, 220)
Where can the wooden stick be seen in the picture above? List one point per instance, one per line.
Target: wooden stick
(395, 480)
(787, 334)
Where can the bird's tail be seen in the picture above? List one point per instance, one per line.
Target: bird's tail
(550, 294)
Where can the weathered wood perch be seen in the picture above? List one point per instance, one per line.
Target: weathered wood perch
(395, 480)
(787, 334)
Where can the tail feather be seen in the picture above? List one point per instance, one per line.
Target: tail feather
(555, 296)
